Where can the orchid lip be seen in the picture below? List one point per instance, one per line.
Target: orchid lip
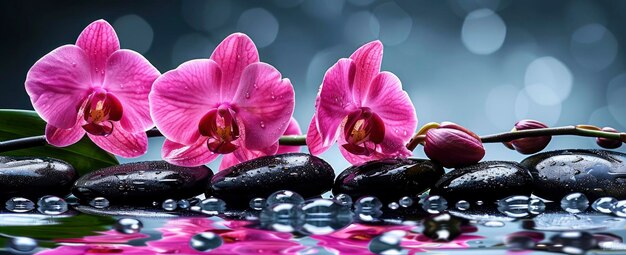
(363, 131)
(100, 109)
(221, 128)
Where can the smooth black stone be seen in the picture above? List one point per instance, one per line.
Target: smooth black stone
(302, 173)
(142, 183)
(34, 177)
(388, 179)
(595, 173)
(486, 181)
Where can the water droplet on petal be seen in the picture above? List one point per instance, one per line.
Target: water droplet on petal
(262, 124)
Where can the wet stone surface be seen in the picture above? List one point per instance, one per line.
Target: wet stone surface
(302, 173)
(486, 181)
(34, 177)
(142, 183)
(595, 173)
(389, 180)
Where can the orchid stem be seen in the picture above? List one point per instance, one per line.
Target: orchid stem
(300, 140)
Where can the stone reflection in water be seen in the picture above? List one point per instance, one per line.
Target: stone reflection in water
(282, 217)
(514, 206)
(128, 226)
(573, 242)
(434, 204)
(604, 204)
(368, 208)
(442, 228)
(387, 243)
(206, 241)
(575, 203)
(323, 216)
(19, 205)
(51, 205)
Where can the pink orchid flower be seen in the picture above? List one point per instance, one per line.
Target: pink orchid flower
(230, 103)
(293, 129)
(364, 109)
(94, 87)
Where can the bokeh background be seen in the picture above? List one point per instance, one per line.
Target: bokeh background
(481, 63)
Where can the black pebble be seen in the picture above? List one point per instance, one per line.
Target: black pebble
(34, 177)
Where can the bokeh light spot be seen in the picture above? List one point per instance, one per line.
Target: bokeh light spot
(134, 33)
(483, 32)
(548, 81)
(260, 25)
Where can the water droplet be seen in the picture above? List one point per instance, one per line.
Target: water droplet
(51, 205)
(604, 204)
(257, 203)
(169, 205)
(462, 205)
(285, 196)
(206, 241)
(19, 205)
(344, 199)
(282, 217)
(22, 244)
(324, 216)
(435, 204)
(514, 206)
(479, 202)
(128, 226)
(536, 206)
(247, 95)
(393, 206)
(493, 224)
(262, 124)
(73, 64)
(619, 208)
(387, 243)
(442, 228)
(212, 206)
(184, 204)
(99, 202)
(405, 202)
(575, 203)
(368, 208)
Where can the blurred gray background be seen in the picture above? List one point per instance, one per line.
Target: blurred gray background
(481, 63)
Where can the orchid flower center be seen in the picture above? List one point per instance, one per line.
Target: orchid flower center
(220, 126)
(100, 110)
(363, 131)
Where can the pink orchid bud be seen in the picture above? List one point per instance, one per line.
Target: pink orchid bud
(453, 145)
(608, 143)
(530, 145)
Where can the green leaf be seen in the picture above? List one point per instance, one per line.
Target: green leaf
(85, 156)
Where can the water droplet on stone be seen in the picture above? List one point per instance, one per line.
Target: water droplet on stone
(169, 205)
(22, 244)
(479, 202)
(575, 203)
(405, 202)
(387, 243)
(51, 205)
(99, 202)
(604, 204)
(462, 205)
(435, 204)
(213, 206)
(344, 199)
(285, 196)
(184, 204)
(282, 217)
(536, 206)
(19, 205)
(206, 241)
(368, 208)
(393, 206)
(257, 203)
(128, 226)
(514, 206)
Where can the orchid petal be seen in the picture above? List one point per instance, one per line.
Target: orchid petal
(233, 55)
(64, 137)
(129, 76)
(393, 105)
(122, 143)
(195, 154)
(99, 41)
(181, 97)
(335, 100)
(58, 84)
(314, 139)
(292, 129)
(355, 159)
(367, 59)
(264, 104)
